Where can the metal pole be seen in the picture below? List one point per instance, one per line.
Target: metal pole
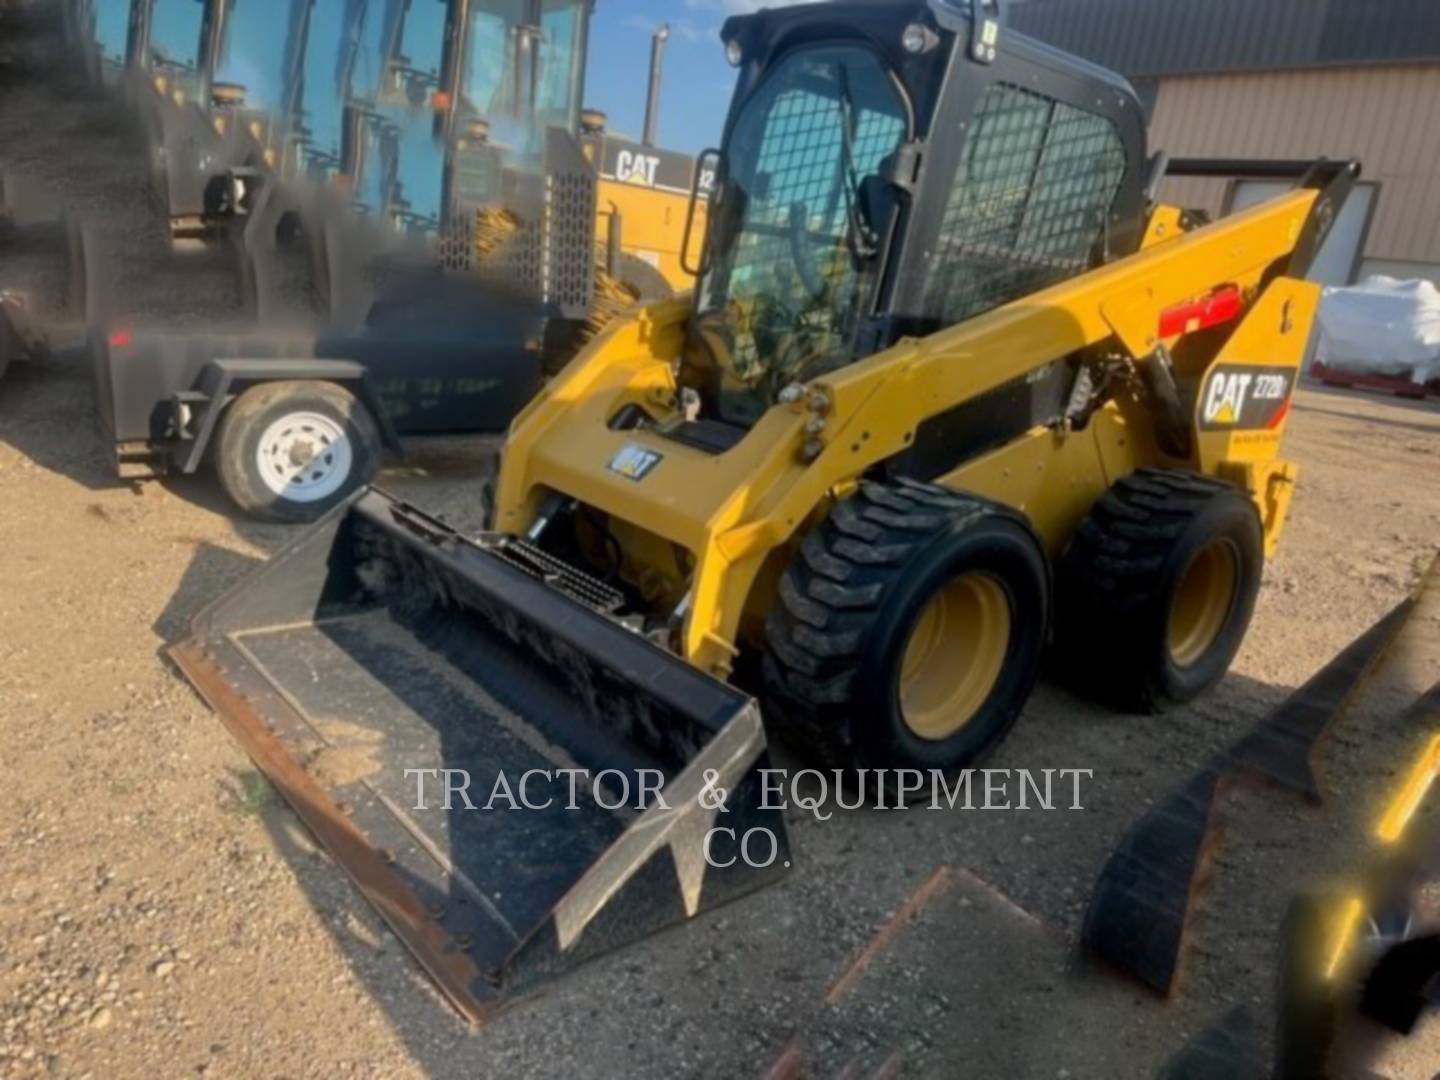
(657, 64)
(137, 38)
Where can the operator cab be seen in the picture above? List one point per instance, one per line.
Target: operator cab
(875, 185)
(166, 37)
(514, 71)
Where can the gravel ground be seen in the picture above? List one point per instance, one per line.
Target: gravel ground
(161, 914)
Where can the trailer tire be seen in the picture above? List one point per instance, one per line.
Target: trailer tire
(1156, 591)
(269, 437)
(908, 630)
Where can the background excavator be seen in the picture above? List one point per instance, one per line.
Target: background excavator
(392, 103)
(953, 386)
(419, 175)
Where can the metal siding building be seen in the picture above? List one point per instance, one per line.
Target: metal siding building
(1286, 79)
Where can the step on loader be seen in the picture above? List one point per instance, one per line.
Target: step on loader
(953, 385)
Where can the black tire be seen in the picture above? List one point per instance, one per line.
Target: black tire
(486, 490)
(1117, 585)
(9, 183)
(251, 416)
(648, 283)
(837, 638)
(77, 273)
(317, 245)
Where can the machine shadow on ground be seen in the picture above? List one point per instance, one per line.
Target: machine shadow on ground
(867, 860)
(923, 992)
(56, 393)
(851, 870)
(212, 567)
(997, 951)
(42, 397)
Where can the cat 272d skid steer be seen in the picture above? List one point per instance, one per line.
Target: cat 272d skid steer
(952, 386)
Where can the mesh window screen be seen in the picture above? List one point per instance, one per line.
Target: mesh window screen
(1030, 200)
(790, 264)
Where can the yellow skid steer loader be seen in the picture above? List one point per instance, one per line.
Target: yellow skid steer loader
(953, 386)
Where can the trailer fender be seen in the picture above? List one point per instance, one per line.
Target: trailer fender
(222, 380)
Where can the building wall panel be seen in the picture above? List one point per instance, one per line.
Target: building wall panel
(1160, 37)
(1387, 116)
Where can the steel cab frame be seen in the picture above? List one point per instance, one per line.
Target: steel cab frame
(938, 70)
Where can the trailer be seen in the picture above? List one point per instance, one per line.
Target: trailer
(1369, 380)
(292, 423)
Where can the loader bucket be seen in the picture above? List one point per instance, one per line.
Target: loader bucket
(382, 642)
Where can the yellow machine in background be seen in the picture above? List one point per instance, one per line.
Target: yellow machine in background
(645, 194)
(646, 203)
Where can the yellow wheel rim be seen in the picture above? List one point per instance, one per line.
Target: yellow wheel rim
(1202, 602)
(954, 656)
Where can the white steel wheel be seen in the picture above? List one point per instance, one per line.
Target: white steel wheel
(292, 450)
(304, 457)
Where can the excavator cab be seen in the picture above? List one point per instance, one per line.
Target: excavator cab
(406, 160)
(514, 73)
(482, 151)
(316, 86)
(102, 30)
(459, 94)
(520, 68)
(165, 35)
